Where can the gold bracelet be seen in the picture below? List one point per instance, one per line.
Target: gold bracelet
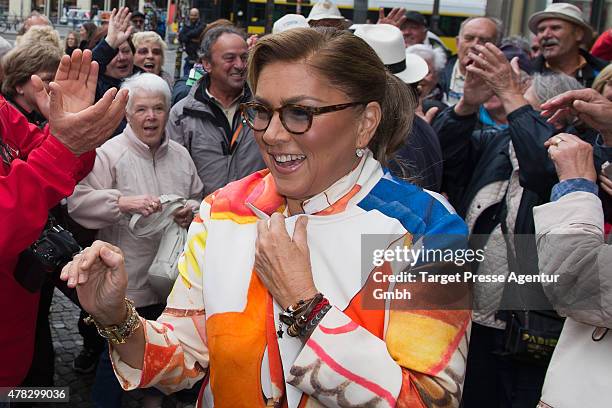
(119, 333)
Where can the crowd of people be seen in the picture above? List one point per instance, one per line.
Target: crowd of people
(258, 181)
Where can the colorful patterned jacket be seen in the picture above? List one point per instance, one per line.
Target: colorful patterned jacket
(220, 322)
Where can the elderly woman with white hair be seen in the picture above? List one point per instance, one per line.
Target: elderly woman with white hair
(130, 173)
(150, 54)
(430, 93)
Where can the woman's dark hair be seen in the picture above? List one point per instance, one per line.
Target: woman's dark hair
(351, 66)
(87, 42)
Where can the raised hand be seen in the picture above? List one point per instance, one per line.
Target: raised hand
(475, 92)
(493, 67)
(503, 77)
(282, 262)
(396, 17)
(119, 27)
(77, 75)
(99, 275)
(80, 126)
(84, 131)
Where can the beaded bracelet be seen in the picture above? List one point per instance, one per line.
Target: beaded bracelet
(314, 322)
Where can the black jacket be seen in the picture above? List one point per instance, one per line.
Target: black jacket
(420, 157)
(187, 35)
(476, 158)
(585, 75)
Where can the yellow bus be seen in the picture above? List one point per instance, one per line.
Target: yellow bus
(251, 14)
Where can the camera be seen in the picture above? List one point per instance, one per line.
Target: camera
(45, 257)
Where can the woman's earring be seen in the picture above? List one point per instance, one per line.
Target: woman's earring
(359, 152)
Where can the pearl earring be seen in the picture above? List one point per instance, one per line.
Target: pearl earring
(359, 152)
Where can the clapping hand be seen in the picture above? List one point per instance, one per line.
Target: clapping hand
(476, 91)
(502, 77)
(492, 66)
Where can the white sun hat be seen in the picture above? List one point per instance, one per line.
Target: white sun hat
(388, 42)
(324, 9)
(289, 21)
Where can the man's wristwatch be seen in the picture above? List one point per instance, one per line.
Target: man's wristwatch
(119, 333)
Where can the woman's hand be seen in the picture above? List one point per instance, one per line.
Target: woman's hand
(283, 263)
(119, 27)
(99, 275)
(72, 120)
(142, 204)
(183, 216)
(77, 77)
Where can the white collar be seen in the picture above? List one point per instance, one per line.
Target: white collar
(366, 168)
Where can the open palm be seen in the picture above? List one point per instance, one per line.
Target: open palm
(73, 119)
(77, 77)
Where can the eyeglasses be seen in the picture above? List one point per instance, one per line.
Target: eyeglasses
(297, 119)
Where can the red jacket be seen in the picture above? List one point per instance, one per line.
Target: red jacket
(43, 171)
(603, 46)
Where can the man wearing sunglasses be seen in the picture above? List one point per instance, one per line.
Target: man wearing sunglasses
(208, 122)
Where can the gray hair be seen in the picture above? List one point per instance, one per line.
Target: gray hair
(435, 56)
(211, 37)
(150, 36)
(499, 26)
(146, 82)
(518, 42)
(547, 86)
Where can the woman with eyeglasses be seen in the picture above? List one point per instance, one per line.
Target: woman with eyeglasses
(284, 296)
